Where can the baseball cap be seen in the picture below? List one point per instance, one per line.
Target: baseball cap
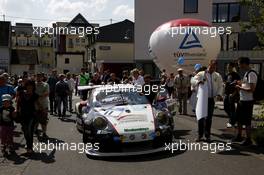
(6, 97)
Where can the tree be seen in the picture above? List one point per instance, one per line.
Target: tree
(256, 19)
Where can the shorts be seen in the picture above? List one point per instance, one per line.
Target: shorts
(245, 112)
(42, 116)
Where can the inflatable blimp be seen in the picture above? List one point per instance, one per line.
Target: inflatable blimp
(183, 43)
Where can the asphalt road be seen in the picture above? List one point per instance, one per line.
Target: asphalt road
(238, 161)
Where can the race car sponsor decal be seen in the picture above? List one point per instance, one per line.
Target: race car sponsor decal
(136, 129)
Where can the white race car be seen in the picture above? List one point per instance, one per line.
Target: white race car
(122, 122)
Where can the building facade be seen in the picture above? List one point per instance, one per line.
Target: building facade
(5, 46)
(217, 12)
(72, 48)
(30, 51)
(114, 47)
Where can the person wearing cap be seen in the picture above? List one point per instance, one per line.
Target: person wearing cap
(181, 86)
(62, 91)
(7, 123)
(214, 83)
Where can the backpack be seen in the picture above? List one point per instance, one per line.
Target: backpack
(258, 94)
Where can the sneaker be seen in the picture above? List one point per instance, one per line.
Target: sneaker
(238, 138)
(246, 142)
(45, 136)
(198, 139)
(4, 151)
(228, 125)
(208, 140)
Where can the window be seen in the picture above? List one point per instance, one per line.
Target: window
(214, 12)
(226, 12)
(67, 60)
(77, 41)
(234, 12)
(70, 43)
(222, 12)
(22, 42)
(33, 42)
(46, 42)
(105, 47)
(190, 6)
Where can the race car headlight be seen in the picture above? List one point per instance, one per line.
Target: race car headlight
(99, 123)
(162, 118)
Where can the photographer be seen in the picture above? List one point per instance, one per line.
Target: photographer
(231, 95)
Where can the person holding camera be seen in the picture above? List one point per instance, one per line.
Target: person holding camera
(231, 95)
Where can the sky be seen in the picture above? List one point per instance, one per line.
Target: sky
(45, 12)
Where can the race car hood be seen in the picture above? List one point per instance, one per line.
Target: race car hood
(130, 118)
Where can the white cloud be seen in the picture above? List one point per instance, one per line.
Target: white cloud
(64, 6)
(56, 7)
(124, 11)
(47, 11)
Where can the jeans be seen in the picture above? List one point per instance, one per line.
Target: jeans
(62, 100)
(230, 109)
(28, 129)
(182, 98)
(205, 124)
(53, 102)
(69, 99)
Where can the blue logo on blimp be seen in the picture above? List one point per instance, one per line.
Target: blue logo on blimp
(189, 42)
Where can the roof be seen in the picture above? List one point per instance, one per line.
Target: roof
(5, 28)
(24, 57)
(79, 21)
(121, 32)
(23, 28)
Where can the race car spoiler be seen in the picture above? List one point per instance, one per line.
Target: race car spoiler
(81, 88)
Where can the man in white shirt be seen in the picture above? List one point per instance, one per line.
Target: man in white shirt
(137, 78)
(245, 106)
(70, 81)
(215, 89)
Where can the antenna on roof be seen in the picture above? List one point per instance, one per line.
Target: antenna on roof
(3, 17)
(111, 21)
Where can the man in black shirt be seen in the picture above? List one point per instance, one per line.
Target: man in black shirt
(231, 94)
(62, 91)
(52, 80)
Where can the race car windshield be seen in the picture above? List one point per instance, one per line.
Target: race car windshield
(103, 98)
